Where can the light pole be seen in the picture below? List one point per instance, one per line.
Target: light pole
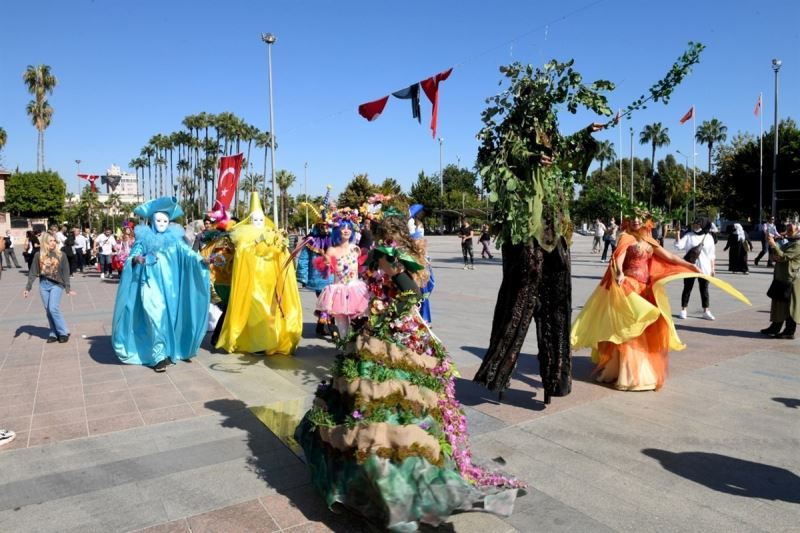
(686, 165)
(631, 164)
(305, 186)
(270, 40)
(77, 176)
(776, 66)
(441, 176)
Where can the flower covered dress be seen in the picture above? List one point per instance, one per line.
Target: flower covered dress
(386, 436)
(347, 296)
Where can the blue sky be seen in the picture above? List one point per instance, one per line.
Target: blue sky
(128, 70)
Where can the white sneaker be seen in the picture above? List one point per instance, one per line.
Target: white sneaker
(466, 267)
(472, 267)
(707, 315)
(102, 276)
(6, 436)
(683, 313)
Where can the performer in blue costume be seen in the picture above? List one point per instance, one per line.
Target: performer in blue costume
(315, 246)
(161, 310)
(418, 234)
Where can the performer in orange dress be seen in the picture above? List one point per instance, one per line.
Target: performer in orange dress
(627, 320)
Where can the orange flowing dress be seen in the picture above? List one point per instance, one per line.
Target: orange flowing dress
(629, 327)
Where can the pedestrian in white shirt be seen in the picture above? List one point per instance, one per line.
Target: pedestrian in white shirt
(81, 245)
(104, 248)
(9, 252)
(699, 247)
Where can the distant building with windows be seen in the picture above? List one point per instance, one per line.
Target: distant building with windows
(125, 184)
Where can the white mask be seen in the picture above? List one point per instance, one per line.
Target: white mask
(257, 219)
(161, 221)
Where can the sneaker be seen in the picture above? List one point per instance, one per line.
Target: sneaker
(51, 340)
(472, 267)
(6, 436)
(707, 315)
(63, 338)
(161, 366)
(102, 276)
(683, 313)
(466, 267)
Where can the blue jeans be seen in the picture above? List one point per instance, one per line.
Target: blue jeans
(105, 263)
(51, 298)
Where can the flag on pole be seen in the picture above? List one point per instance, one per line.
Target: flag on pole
(229, 169)
(619, 116)
(758, 106)
(688, 116)
(91, 178)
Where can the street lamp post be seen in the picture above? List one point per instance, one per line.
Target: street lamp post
(77, 176)
(270, 40)
(776, 66)
(686, 165)
(305, 186)
(441, 176)
(631, 164)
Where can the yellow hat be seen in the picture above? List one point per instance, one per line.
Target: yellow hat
(255, 203)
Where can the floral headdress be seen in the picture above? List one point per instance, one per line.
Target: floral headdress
(344, 214)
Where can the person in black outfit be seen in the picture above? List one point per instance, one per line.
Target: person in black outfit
(465, 232)
(485, 239)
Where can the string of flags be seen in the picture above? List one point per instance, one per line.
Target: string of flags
(430, 86)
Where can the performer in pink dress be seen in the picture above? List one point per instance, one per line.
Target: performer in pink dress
(347, 297)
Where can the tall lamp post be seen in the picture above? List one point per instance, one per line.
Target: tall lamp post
(441, 177)
(686, 165)
(77, 177)
(305, 186)
(776, 66)
(270, 39)
(631, 164)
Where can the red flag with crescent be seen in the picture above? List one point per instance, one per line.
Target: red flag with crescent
(91, 178)
(229, 169)
(688, 116)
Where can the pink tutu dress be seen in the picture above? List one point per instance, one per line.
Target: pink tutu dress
(347, 297)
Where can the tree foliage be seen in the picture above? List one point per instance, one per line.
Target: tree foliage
(426, 191)
(35, 194)
(357, 192)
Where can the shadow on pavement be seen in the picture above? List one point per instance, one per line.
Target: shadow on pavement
(292, 481)
(731, 475)
(101, 351)
(791, 403)
(33, 331)
(720, 332)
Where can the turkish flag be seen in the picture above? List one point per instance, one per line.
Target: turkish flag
(91, 178)
(230, 167)
(758, 106)
(688, 116)
(372, 110)
(431, 88)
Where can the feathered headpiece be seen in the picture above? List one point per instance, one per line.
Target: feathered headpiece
(166, 204)
(345, 213)
(219, 215)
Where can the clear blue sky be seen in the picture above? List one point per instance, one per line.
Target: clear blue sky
(128, 70)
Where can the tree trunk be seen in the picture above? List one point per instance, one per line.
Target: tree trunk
(536, 285)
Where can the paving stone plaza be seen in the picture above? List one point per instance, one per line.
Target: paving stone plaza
(207, 446)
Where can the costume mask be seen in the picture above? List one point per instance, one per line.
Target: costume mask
(161, 221)
(257, 219)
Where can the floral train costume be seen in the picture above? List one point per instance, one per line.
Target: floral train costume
(629, 327)
(386, 437)
(161, 308)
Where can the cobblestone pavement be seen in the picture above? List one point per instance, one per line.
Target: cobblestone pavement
(207, 446)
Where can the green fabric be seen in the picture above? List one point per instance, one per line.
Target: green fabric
(787, 269)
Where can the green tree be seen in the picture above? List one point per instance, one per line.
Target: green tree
(390, 186)
(460, 180)
(284, 181)
(710, 133)
(36, 194)
(605, 152)
(656, 136)
(426, 191)
(3, 140)
(357, 192)
(40, 82)
(674, 181)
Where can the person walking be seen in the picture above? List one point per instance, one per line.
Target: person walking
(768, 230)
(103, 248)
(31, 246)
(737, 246)
(80, 249)
(51, 266)
(485, 239)
(465, 232)
(609, 239)
(599, 233)
(700, 250)
(785, 288)
(9, 252)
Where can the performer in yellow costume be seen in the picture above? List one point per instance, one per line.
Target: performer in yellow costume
(264, 312)
(627, 320)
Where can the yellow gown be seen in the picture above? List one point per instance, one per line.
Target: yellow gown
(264, 312)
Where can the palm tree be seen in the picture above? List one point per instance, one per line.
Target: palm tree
(284, 181)
(40, 82)
(656, 135)
(148, 152)
(711, 132)
(605, 152)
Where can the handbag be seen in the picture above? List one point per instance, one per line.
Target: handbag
(694, 253)
(780, 290)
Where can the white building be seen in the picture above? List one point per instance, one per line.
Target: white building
(125, 185)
